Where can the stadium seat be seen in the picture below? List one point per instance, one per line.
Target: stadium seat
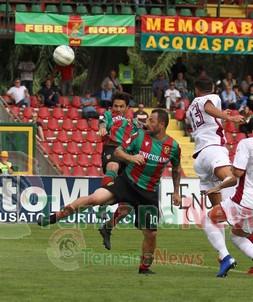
(64, 101)
(83, 160)
(21, 7)
(94, 124)
(200, 12)
(126, 10)
(53, 124)
(51, 8)
(36, 8)
(99, 147)
(34, 101)
(58, 148)
(15, 110)
(49, 135)
(68, 160)
(186, 103)
(171, 12)
(88, 149)
(77, 137)
(93, 137)
(97, 160)
(76, 102)
(46, 147)
(56, 160)
(67, 9)
(73, 113)
(110, 10)
(82, 125)
(58, 113)
(96, 10)
(156, 11)
(68, 125)
(28, 112)
(81, 10)
(94, 171)
(66, 170)
(72, 148)
(141, 11)
(44, 113)
(185, 12)
(63, 136)
(78, 171)
(100, 111)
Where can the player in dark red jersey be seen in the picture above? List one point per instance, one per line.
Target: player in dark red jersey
(148, 155)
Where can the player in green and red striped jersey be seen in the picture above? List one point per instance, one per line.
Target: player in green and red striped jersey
(149, 155)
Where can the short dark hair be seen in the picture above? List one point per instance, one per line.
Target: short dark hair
(204, 84)
(162, 116)
(121, 96)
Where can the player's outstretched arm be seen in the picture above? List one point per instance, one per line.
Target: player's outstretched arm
(176, 176)
(124, 156)
(224, 115)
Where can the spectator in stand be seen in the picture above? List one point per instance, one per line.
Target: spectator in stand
(172, 96)
(241, 100)
(87, 103)
(19, 94)
(247, 127)
(141, 115)
(228, 98)
(40, 133)
(106, 95)
(159, 87)
(112, 77)
(26, 69)
(250, 93)
(246, 83)
(229, 80)
(181, 85)
(178, 67)
(5, 165)
(48, 95)
(67, 74)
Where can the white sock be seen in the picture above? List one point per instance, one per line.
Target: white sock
(244, 244)
(215, 235)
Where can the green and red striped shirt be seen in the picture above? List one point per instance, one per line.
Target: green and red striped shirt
(157, 155)
(119, 128)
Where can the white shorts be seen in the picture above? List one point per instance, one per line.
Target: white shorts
(208, 159)
(237, 215)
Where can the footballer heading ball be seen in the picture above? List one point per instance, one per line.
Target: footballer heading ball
(63, 55)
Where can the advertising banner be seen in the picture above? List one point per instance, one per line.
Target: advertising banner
(199, 35)
(54, 29)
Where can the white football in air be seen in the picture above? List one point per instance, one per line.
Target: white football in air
(63, 55)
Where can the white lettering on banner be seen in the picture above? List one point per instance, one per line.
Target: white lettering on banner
(7, 190)
(60, 188)
(25, 199)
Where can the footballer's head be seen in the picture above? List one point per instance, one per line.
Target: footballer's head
(120, 102)
(157, 122)
(203, 86)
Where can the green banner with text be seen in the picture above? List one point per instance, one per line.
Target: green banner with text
(199, 35)
(53, 29)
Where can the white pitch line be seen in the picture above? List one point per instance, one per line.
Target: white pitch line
(190, 264)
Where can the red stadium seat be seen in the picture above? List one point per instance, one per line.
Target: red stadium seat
(46, 147)
(77, 136)
(186, 103)
(96, 160)
(68, 160)
(72, 148)
(73, 113)
(58, 148)
(44, 113)
(82, 125)
(76, 102)
(28, 112)
(99, 148)
(100, 111)
(34, 101)
(66, 170)
(63, 136)
(64, 101)
(58, 113)
(53, 124)
(94, 171)
(93, 137)
(78, 171)
(83, 160)
(56, 160)
(94, 124)
(88, 149)
(68, 125)
(15, 110)
(180, 114)
(49, 135)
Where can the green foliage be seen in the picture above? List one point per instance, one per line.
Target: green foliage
(148, 65)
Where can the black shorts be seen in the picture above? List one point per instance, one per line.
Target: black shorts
(108, 156)
(144, 203)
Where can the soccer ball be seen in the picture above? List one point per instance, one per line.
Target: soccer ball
(63, 55)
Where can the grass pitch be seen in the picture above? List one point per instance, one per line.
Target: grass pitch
(68, 264)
